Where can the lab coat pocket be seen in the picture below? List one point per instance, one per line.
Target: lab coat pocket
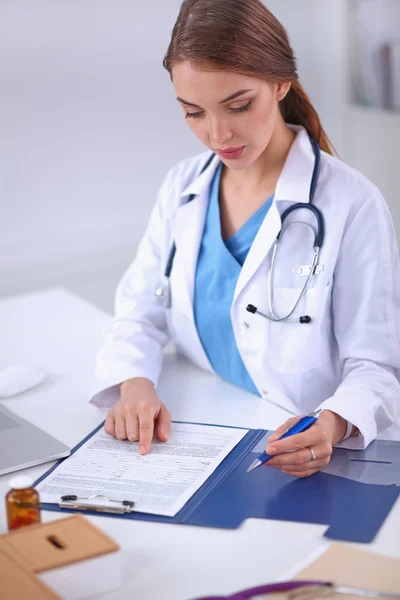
(295, 347)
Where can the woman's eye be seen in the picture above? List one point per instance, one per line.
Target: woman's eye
(199, 114)
(242, 108)
(195, 115)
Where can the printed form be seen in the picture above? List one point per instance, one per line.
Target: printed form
(159, 483)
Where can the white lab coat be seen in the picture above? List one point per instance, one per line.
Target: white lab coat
(347, 359)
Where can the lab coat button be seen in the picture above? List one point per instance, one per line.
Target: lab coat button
(246, 325)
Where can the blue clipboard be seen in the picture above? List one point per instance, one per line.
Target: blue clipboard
(353, 511)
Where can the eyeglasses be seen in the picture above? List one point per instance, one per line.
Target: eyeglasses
(304, 590)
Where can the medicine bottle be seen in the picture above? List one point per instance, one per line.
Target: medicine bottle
(22, 503)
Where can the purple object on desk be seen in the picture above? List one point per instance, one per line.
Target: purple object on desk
(273, 588)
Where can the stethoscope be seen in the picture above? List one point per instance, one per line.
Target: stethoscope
(163, 293)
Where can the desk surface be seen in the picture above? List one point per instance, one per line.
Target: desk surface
(62, 333)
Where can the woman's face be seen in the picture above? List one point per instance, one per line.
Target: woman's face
(229, 112)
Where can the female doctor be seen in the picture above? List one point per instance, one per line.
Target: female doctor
(313, 324)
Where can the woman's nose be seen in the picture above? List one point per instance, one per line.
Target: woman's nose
(220, 133)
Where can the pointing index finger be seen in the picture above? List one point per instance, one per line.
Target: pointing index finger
(146, 430)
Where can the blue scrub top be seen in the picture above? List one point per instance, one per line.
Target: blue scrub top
(218, 268)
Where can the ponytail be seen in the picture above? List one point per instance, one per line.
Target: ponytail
(296, 108)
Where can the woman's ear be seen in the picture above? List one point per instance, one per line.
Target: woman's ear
(282, 89)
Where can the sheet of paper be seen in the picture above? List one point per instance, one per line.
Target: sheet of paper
(344, 566)
(358, 568)
(159, 483)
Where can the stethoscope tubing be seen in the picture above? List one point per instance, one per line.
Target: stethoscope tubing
(164, 292)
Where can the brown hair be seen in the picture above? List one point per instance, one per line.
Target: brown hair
(244, 37)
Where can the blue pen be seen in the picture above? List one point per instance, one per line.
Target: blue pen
(298, 426)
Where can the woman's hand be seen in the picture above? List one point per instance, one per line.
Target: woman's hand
(138, 413)
(293, 454)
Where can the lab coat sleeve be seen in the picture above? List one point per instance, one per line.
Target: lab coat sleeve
(366, 308)
(134, 338)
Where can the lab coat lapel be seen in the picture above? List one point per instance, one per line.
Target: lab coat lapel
(187, 231)
(293, 186)
(260, 248)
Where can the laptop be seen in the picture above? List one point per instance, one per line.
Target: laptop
(24, 445)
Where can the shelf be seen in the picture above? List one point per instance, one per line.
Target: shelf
(372, 112)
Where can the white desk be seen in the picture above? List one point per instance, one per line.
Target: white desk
(61, 332)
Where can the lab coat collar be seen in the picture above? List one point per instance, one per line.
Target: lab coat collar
(202, 181)
(294, 182)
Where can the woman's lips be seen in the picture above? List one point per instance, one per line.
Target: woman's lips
(231, 153)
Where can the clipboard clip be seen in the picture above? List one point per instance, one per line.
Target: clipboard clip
(118, 507)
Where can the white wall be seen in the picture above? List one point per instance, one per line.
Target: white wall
(89, 127)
